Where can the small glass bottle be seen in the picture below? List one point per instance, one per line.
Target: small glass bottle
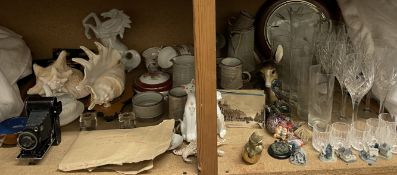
(127, 120)
(88, 121)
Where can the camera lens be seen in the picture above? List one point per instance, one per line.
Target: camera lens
(27, 141)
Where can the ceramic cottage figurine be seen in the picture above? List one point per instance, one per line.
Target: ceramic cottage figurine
(327, 154)
(298, 156)
(253, 149)
(110, 32)
(385, 151)
(57, 79)
(346, 155)
(369, 154)
(104, 75)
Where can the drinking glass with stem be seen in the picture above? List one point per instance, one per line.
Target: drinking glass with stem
(359, 75)
(386, 73)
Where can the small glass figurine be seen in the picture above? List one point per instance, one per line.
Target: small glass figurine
(346, 155)
(127, 120)
(298, 156)
(253, 149)
(385, 151)
(327, 154)
(88, 121)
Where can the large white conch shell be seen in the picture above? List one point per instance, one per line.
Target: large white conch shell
(58, 78)
(103, 74)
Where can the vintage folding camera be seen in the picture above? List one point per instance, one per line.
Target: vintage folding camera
(42, 127)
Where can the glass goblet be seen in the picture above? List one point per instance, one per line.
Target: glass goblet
(359, 72)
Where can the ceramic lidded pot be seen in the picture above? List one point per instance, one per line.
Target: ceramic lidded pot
(153, 81)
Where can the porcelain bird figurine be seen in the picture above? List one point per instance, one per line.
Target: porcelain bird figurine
(110, 32)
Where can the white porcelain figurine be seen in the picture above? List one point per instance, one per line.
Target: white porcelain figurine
(221, 129)
(104, 75)
(188, 125)
(110, 32)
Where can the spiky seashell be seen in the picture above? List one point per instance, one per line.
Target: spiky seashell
(103, 74)
(58, 78)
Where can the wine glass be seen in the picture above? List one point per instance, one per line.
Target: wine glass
(386, 73)
(359, 77)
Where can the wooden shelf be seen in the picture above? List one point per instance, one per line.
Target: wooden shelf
(167, 163)
(232, 163)
(47, 24)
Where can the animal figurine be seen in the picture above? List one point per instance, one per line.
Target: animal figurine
(110, 32)
(221, 129)
(327, 154)
(253, 149)
(104, 75)
(277, 108)
(58, 79)
(188, 125)
(269, 74)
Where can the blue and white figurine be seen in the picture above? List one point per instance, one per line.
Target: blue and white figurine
(369, 153)
(346, 155)
(385, 151)
(327, 154)
(298, 156)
